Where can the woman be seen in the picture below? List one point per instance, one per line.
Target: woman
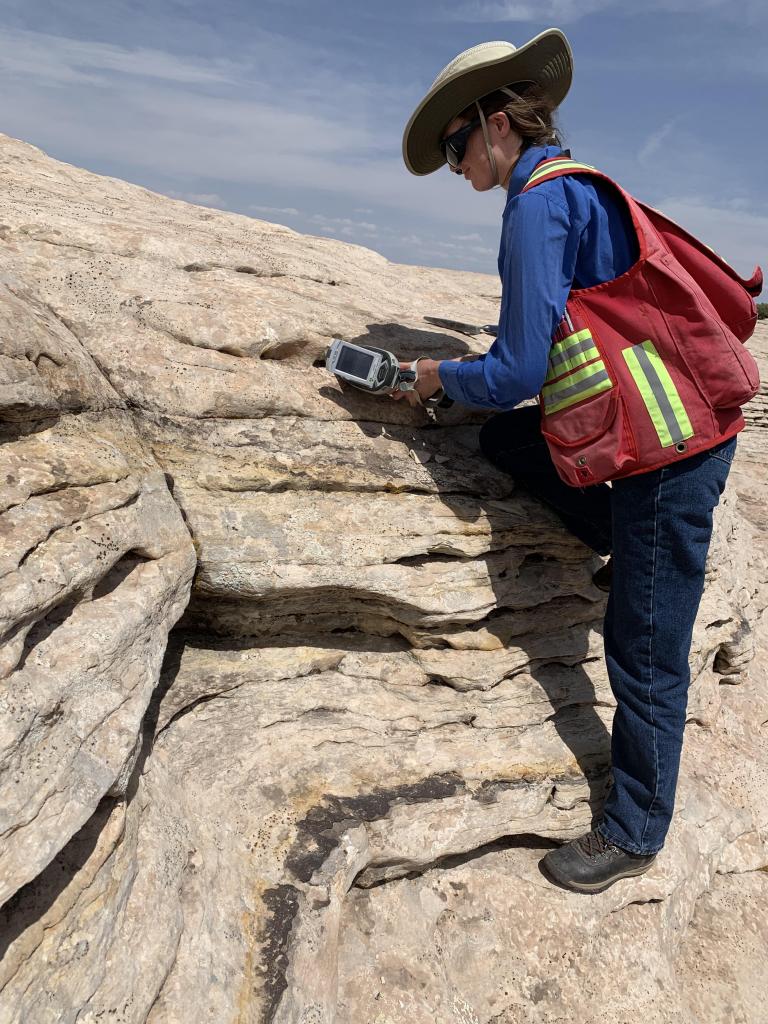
(489, 114)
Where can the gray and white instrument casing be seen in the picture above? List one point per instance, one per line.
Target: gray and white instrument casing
(371, 369)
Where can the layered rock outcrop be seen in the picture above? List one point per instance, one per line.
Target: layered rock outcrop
(295, 689)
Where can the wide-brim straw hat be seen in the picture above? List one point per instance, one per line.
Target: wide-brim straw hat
(546, 60)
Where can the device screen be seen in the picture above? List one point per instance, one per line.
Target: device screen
(355, 363)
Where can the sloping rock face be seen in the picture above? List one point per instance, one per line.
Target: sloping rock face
(296, 690)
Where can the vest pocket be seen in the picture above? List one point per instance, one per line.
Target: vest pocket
(590, 441)
(723, 368)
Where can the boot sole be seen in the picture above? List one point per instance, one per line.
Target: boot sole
(597, 886)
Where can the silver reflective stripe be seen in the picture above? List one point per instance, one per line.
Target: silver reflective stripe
(569, 353)
(556, 397)
(659, 394)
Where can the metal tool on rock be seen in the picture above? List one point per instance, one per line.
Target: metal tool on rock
(457, 325)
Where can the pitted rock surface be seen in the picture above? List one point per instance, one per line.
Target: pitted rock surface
(296, 689)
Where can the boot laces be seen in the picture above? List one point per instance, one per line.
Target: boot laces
(595, 844)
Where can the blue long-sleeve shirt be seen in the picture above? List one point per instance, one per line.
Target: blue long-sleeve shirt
(570, 231)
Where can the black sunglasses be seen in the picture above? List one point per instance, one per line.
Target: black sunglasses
(454, 146)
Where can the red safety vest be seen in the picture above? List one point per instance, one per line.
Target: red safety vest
(650, 367)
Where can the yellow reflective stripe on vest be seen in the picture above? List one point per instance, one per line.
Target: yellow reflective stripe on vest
(575, 350)
(659, 393)
(559, 165)
(576, 387)
(559, 347)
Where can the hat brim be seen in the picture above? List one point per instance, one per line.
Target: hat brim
(546, 60)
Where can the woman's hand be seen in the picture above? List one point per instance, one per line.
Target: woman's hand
(427, 384)
(429, 379)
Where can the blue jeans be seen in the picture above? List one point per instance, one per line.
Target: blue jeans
(657, 526)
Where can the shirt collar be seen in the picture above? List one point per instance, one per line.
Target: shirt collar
(526, 164)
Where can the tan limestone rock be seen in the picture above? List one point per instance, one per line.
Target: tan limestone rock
(325, 797)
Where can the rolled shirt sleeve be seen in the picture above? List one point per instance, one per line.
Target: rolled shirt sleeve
(537, 258)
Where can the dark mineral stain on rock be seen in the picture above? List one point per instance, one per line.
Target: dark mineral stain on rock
(487, 792)
(282, 903)
(318, 834)
(319, 830)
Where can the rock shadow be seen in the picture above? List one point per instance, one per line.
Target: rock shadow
(566, 681)
(32, 901)
(410, 342)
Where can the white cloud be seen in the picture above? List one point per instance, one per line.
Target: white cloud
(654, 141)
(344, 225)
(563, 12)
(256, 99)
(200, 198)
(551, 11)
(57, 59)
(474, 237)
(288, 211)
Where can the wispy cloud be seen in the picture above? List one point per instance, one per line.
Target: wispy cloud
(654, 141)
(199, 198)
(344, 225)
(553, 11)
(286, 211)
(564, 12)
(57, 59)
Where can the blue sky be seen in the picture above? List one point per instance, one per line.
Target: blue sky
(293, 111)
